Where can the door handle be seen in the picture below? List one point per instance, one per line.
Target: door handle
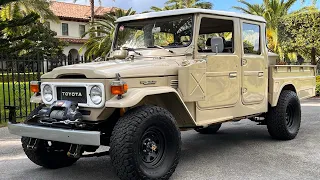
(232, 75)
(260, 74)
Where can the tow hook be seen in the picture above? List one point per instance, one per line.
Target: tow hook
(74, 151)
(32, 144)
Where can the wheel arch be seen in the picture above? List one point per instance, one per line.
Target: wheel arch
(165, 97)
(276, 95)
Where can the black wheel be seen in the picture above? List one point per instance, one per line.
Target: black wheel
(212, 129)
(283, 121)
(49, 156)
(145, 144)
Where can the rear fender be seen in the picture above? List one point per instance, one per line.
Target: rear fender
(166, 97)
(275, 96)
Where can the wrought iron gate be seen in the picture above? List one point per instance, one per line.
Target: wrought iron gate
(16, 74)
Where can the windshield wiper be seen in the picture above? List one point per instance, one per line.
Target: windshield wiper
(131, 49)
(160, 47)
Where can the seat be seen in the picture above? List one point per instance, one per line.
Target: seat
(208, 42)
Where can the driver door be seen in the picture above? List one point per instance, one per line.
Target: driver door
(222, 75)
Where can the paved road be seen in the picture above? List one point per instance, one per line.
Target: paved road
(241, 150)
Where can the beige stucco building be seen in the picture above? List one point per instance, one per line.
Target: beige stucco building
(74, 19)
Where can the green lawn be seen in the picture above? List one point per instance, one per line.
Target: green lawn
(15, 94)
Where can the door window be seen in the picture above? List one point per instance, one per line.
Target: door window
(215, 35)
(251, 38)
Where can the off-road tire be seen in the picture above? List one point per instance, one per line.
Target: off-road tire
(47, 159)
(283, 121)
(212, 129)
(127, 144)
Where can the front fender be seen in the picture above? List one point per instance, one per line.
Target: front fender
(163, 96)
(135, 95)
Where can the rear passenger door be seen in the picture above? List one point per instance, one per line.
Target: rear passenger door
(253, 63)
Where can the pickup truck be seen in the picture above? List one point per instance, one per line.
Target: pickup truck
(170, 71)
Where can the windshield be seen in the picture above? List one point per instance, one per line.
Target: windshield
(165, 32)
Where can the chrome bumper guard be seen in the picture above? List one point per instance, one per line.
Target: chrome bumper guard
(80, 137)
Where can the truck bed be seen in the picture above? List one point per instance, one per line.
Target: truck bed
(300, 77)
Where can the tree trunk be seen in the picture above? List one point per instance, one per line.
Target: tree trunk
(92, 10)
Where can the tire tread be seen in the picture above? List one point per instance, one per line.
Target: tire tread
(121, 153)
(276, 115)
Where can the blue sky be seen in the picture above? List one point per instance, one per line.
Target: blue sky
(143, 5)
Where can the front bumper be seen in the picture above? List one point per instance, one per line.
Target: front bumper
(81, 137)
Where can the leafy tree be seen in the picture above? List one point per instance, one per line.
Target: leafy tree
(181, 4)
(37, 39)
(24, 34)
(18, 22)
(272, 11)
(41, 7)
(100, 45)
(299, 32)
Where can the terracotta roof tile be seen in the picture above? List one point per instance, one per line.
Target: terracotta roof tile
(76, 11)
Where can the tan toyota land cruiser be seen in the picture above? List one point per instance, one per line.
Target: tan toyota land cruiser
(167, 71)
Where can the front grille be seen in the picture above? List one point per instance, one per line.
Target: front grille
(76, 94)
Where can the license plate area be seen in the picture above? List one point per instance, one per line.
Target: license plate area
(76, 94)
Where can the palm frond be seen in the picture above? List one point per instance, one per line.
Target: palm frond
(101, 45)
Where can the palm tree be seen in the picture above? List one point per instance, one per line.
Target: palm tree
(189, 4)
(91, 9)
(181, 4)
(41, 7)
(100, 45)
(272, 11)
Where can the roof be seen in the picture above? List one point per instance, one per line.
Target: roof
(190, 11)
(76, 11)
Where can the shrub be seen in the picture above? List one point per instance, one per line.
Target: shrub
(299, 32)
(318, 89)
(318, 79)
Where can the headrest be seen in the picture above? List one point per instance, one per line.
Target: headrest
(208, 42)
(217, 44)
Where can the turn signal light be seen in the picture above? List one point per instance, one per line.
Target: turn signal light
(35, 86)
(119, 87)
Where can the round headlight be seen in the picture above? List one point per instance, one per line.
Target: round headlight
(47, 93)
(96, 95)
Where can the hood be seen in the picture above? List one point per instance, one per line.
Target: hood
(108, 69)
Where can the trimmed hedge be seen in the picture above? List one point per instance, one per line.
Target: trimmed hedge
(22, 77)
(299, 32)
(318, 86)
(318, 79)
